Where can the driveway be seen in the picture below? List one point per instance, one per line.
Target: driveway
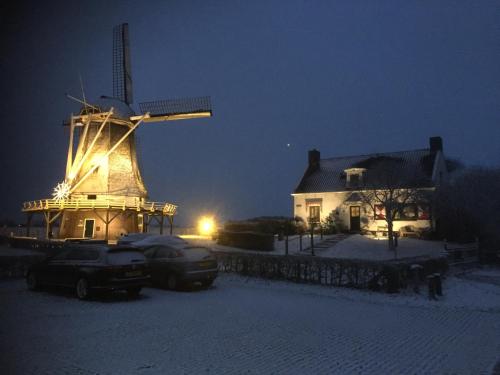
(243, 326)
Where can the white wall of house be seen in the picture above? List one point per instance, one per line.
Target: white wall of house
(329, 202)
(334, 202)
(439, 173)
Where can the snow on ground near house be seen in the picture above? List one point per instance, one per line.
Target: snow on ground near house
(279, 246)
(367, 248)
(252, 326)
(353, 247)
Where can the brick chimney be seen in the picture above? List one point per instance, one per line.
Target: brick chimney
(314, 156)
(436, 144)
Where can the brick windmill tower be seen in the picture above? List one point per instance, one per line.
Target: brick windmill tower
(103, 195)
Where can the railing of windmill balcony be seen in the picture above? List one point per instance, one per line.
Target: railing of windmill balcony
(107, 203)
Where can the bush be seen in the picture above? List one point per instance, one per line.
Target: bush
(241, 226)
(435, 265)
(269, 225)
(388, 280)
(247, 240)
(328, 225)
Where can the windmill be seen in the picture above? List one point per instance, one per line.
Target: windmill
(103, 195)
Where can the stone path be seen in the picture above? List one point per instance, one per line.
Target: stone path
(328, 243)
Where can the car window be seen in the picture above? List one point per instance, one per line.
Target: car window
(83, 254)
(61, 256)
(196, 253)
(150, 252)
(125, 257)
(163, 252)
(88, 254)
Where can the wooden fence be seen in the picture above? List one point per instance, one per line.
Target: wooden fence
(462, 253)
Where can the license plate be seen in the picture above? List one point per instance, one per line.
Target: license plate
(205, 264)
(133, 273)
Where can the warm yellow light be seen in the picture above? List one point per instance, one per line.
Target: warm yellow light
(206, 226)
(61, 191)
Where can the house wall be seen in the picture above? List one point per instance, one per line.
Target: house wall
(330, 202)
(439, 172)
(333, 202)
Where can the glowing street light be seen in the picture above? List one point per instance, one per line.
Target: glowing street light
(206, 226)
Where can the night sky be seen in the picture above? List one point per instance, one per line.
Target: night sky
(346, 77)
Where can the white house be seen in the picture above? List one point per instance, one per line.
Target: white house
(335, 186)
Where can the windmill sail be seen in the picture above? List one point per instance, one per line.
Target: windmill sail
(122, 77)
(177, 109)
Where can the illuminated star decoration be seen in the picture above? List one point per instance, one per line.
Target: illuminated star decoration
(61, 191)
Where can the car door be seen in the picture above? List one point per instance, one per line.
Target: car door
(149, 253)
(51, 274)
(160, 263)
(68, 269)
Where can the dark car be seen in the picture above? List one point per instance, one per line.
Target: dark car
(127, 239)
(142, 240)
(175, 266)
(88, 268)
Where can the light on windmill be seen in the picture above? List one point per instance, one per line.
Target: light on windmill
(206, 226)
(61, 191)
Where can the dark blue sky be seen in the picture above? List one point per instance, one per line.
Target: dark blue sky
(345, 77)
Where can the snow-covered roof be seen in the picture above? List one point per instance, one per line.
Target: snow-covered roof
(158, 239)
(330, 175)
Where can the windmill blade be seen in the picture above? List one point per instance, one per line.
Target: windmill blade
(122, 77)
(177, 109)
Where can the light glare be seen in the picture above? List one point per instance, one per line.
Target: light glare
(206, 226)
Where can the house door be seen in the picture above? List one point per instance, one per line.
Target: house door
(88, 231)
(355, 218)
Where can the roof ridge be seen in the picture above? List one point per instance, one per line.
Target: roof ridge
(374, 154)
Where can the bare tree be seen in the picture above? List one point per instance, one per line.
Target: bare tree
(391, 183)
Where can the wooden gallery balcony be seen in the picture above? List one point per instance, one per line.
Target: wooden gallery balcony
(145, 207)
(52, 209)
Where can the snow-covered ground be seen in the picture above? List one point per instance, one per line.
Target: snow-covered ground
(363, 247)
(253, 326)
(279, 246)
(353, 247)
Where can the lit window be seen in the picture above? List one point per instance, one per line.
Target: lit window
(424, 212)
(314, 214)
(379, 212)
(408, 212)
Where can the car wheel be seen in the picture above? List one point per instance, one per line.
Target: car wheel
(32, 281)
(172, 282)
(134, 292)
(82, 289)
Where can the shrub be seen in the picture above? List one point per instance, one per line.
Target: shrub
(328, 225)
(269, 225)
(247, 240)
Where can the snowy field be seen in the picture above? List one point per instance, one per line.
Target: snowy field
(253, 326)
